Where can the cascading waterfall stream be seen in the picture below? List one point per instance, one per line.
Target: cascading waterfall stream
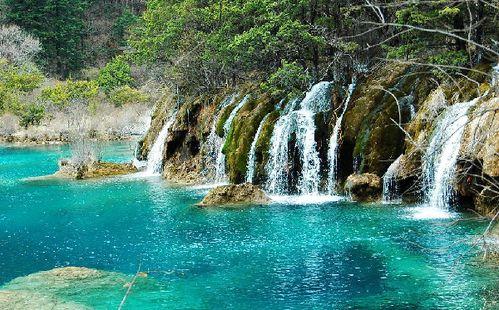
(220, 173)
(334, 144)
(390, 188)
(439, 161)
(250, 170)
(155, 156)
(300, 123)
(140, 164)
(214, 142)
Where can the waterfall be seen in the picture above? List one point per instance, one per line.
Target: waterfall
(333, 144)
(214, 142)
(140, 164)
(439, 161)
(220, 173)
(301, 123)
(390, 187)
(250, 172)
(155, 156)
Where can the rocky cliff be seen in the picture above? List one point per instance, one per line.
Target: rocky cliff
(391, 112)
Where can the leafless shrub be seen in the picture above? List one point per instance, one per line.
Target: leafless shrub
(9, 124)
(16, 45)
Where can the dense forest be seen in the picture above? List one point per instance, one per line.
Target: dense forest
(195, 46)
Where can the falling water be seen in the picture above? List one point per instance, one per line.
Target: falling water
(155, 156)
(333, 144)
(214, 142)
(439, 161)
(301, 123)
(141, 164)
(390, 186)
(250, 172)
(220, 174)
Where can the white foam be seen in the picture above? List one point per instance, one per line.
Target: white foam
(430, 213)
(305, 199)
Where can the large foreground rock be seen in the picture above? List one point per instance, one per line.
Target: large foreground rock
(59, 288)
(235, 195)
(365, 187)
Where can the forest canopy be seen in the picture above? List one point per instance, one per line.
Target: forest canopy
(286, 45)
(208, 44)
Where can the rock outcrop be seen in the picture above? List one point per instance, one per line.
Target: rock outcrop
(478, 168)
(93, 170)
(241, 194)
(392, 112)
(365, 187)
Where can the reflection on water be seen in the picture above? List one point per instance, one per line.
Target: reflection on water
(326, 254)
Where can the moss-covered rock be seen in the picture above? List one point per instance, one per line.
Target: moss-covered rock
(242, 133)
(263, 146)
(380, 106)
(183, 153)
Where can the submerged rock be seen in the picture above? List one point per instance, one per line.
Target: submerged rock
(364, 187)
(59, 288)
(20, 300)
(235, 195)
(93, 170)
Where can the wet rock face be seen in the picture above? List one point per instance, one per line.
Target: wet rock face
(478, 168)
(371, 131)
(242, 134)
(241, 194)
(365, 187)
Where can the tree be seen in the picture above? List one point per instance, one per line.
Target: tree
(115, 74)
(59, 26)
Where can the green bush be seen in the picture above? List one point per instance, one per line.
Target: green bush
(115, 74)
(63, 93)
(16, 80)
(127, 95)
(30, 114)
(289, 80)
(20, 77)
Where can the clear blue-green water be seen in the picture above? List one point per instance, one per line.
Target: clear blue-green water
(331, 255)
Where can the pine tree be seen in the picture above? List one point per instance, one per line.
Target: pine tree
(59, 26)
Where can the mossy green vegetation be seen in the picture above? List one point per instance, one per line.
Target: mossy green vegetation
(242, 133)
(263, 144)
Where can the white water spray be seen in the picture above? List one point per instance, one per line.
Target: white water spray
(439, 161)
(250, 170)
(334, 144)
(390, 186)
(214, 142)
(300, 123)
(155, 156)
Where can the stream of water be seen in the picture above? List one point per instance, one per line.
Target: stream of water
(286, 255)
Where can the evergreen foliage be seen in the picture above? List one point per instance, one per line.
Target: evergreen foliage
(59, 25)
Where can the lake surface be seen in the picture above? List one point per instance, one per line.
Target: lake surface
(286, 255)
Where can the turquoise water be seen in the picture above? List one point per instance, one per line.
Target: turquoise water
(330, 255)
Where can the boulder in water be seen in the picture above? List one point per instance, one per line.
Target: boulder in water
(365, 187)
(239, 194)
